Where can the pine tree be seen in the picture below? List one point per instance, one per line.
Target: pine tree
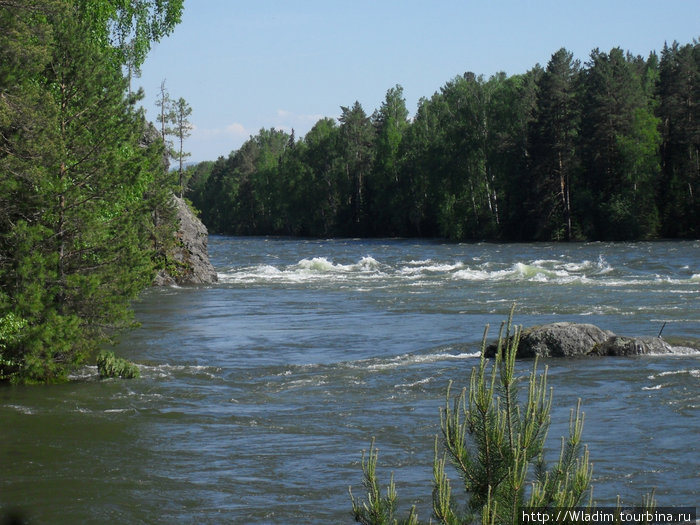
(679, 110)
(357, 137)
(554, 134)
(619, 144)
(165, 114)
(385, 189)
(182, 128)
(75, 243)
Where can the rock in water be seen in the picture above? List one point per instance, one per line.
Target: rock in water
(191, 254)
(580, 340)
(558, 340)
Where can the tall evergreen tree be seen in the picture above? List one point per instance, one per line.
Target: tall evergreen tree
(357, 135)
(553, 141)
(182, 129)
(386, 193)
(514, 155)
(75, 245)
(466, 206)
(679, 110)
(165, 114)
(616, 116)
(322, 155)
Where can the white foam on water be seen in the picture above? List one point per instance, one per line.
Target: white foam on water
(167, 370)
(537, 271)
(415, 383)
(21, 409)
(693, 372)
(429, 267)
(406, 360)
(370, 272)
(306, 270)
(84, 373)
(684, 350)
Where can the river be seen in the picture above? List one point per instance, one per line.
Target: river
(258, 394)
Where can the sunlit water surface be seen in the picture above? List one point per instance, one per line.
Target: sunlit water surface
(258, 394)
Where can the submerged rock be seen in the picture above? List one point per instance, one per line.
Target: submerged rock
(578, 340)
(190, 254)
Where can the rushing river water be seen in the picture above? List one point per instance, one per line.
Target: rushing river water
(259, 393)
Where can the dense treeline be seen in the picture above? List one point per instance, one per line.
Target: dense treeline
(608, 150)
(84, 206)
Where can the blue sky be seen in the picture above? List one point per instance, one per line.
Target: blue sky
(243, 66)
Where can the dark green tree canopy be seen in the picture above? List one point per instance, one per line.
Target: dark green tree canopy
(80, 185)
(604, 150)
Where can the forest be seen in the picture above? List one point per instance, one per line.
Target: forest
(85, 210)
(605, 150)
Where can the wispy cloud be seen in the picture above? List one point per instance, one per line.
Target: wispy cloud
(235, 130)
(301, 122)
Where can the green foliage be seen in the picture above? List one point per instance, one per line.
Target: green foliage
(82, 209)
(126, 29)
(679, 92)
(494, 439)
(111, 366)
(378, 509)
(607, 150)
(11, 334)
(554, 160)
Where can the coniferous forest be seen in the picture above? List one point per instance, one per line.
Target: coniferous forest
(84, 202)
(605, 150)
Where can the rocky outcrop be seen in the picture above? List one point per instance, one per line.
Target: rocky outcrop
(190, 255)
(580, 340)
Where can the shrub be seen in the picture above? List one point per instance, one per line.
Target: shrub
(109, 365)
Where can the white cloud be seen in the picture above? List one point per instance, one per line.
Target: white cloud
(236, 130)
(291, 119)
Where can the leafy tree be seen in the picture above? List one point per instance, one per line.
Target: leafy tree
(197, 176)
(512, 153)
(322, 185)
(127, 28)
(243, 194)
(218, 197)
(422, 154)
(467, 203)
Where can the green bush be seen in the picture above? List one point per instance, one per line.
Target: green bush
(109, 365)
(495, 442)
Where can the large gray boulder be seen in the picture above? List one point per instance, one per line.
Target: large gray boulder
(558, 340)
(191, 252)
(579, 340)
